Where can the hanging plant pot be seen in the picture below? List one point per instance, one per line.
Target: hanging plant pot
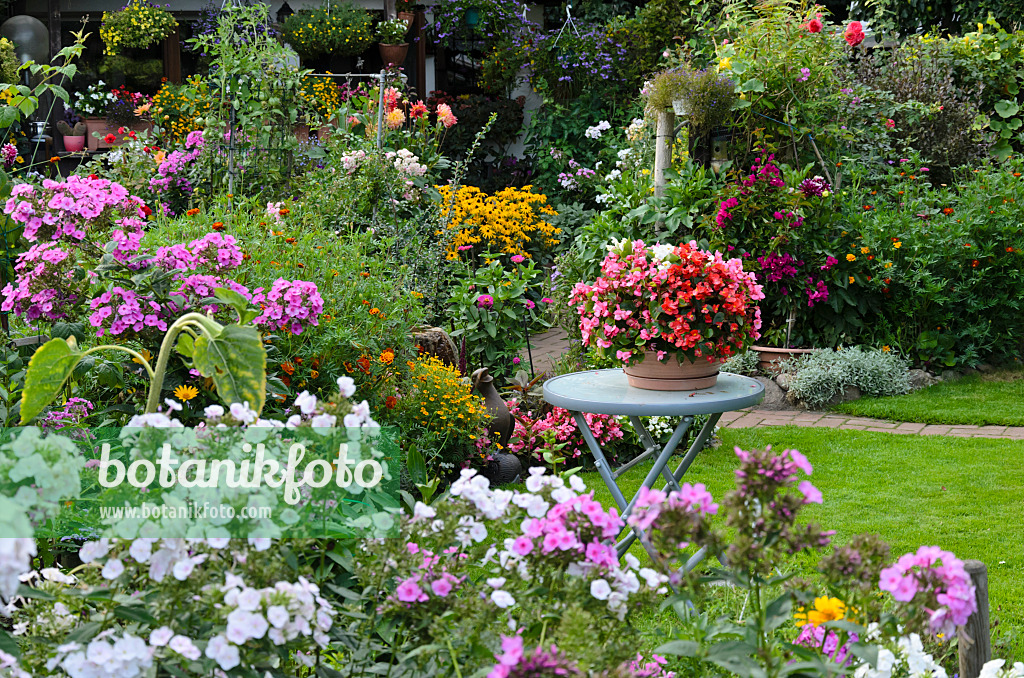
(671, 375)
(472, 16)
(681, 107)
(393, 54)
(407, 17)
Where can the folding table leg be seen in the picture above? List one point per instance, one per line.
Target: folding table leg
(605, 471)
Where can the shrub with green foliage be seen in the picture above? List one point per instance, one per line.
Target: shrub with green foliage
(821, 376)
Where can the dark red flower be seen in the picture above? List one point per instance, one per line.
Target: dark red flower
(110, 138)
(854, 34)
(146, 211)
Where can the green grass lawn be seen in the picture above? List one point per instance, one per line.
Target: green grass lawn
(977, 399)
(965, 495)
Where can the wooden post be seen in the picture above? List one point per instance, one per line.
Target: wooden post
(663, 149)
(55, 46)
(975, 645)
(172, 56)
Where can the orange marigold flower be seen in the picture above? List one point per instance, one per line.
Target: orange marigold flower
(314, 374)
(947, 210)
(192, 212)
(390, 402)
(283, 210)
(288, 368)
(374, 311)
(851, 279)
(364, 274)
(347, 366)
(974, 263)
(1010, 249)
(364, 364)
(54, 159)
(217, 226)
(387, 357)
(289, 240)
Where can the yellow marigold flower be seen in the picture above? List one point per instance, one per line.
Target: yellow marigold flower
(865, 250)
(897, 245)
(850, 257)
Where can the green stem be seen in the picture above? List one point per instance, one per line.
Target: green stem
(455, 662)
(205, 326)
(131, 352)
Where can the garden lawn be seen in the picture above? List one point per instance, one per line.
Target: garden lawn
(963, 494)
(977, 399)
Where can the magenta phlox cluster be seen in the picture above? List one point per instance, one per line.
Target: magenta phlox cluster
(826, 641)
(651, 504)
(216, 251)
(171, 171)
(44, 286)
(65, 209)
(120, 310)
(289, 304)
(937, 578)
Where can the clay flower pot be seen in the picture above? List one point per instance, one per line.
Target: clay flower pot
(671, 375)
(393, 54)
(74, 144)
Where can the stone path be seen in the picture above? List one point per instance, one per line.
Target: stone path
(755, 418)
(548, 347)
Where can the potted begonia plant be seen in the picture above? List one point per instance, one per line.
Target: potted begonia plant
(670, 313)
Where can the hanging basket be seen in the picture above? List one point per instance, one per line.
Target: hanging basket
(671, 375)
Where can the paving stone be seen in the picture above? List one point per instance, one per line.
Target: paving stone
(853, 427)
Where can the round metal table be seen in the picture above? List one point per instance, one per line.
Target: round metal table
(608, 392)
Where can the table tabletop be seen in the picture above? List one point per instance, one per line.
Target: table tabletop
(608, 392)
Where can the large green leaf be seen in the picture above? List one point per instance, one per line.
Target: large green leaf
(49, 368)
(237, 361)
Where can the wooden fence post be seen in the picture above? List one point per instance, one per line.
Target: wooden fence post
(975, 645)
(663, 149)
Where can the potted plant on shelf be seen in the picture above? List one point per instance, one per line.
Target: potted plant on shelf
(74, 137)
(671, 314)
(140, 24)
(92, 104)
(393, 47)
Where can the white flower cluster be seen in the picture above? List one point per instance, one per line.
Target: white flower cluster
(596, 131)
(15, 560)
(610, 581)
(174, 556)
(909, 659)
(635, 129)
(125, 657)
(280, 613)
(994, 669)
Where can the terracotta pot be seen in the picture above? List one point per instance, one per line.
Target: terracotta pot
(74, 144)
(100, 125)
(671, 375)
(407, 17)
(767, 355)
(393, 54)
